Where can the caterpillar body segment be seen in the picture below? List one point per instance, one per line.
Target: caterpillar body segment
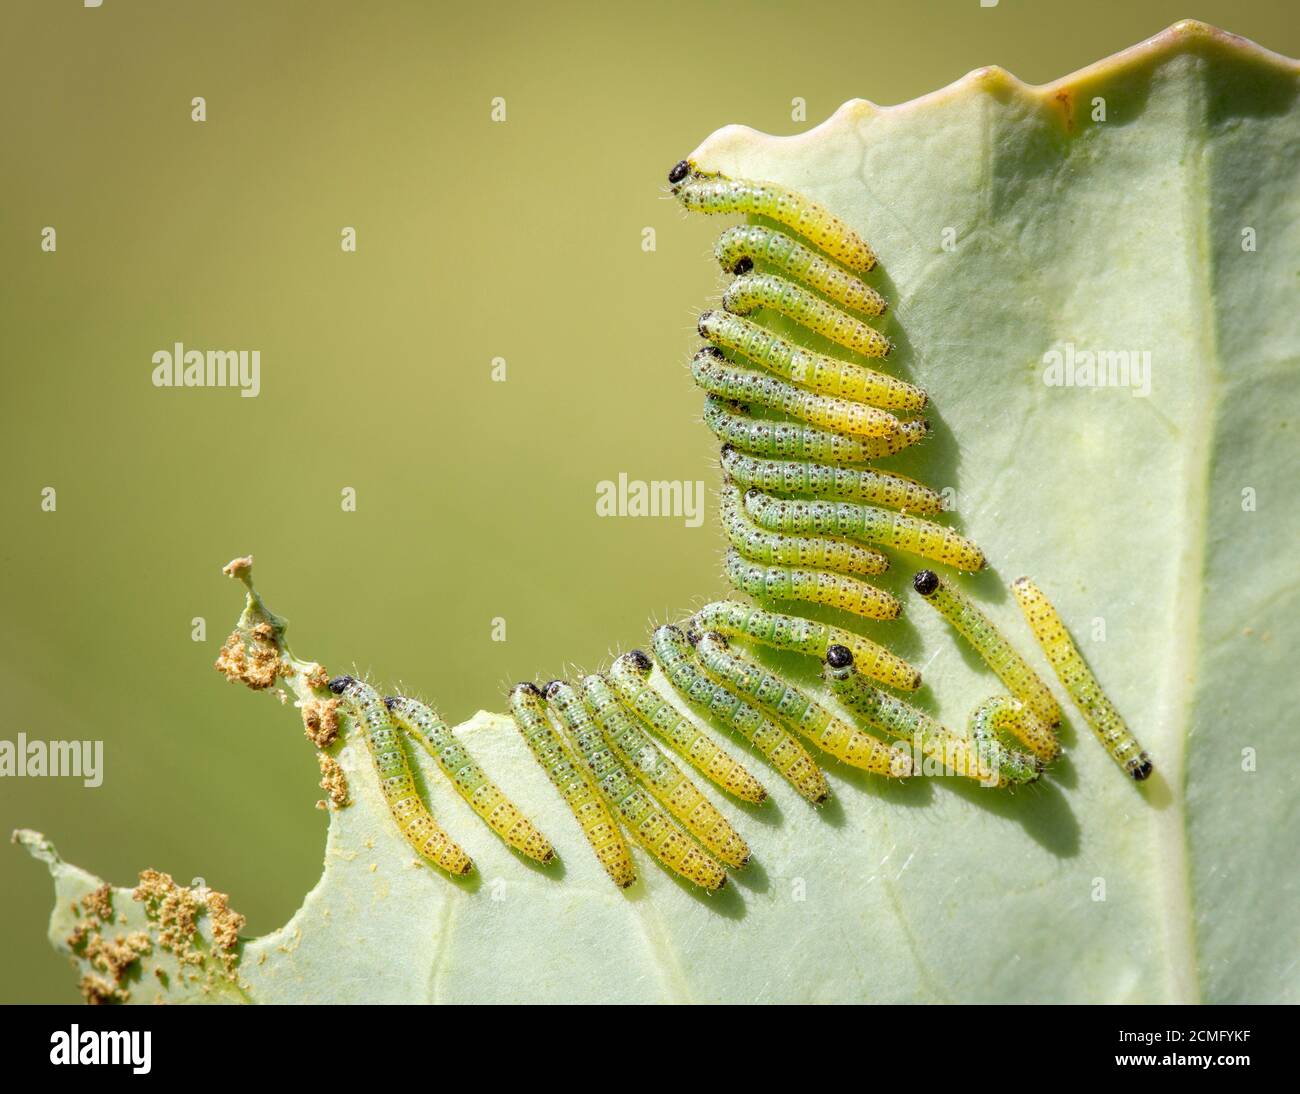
(1079, 681)
(798, 710)
(483, 795)
(1000, 656)
(814, 371)
(528, 709)
(827, 481)
(821, 552)
(787, 755)
(630, 676)
(663, 778)
(740, 247)
(384, 742)
(734, 618)
(915, 535)
(848, 594)
(710, 192)
(997, 725)
(984, 760)
(756, 290)
(648, 823)
(746, 385)
(732, 424)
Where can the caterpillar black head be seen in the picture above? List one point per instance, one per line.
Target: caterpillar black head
(640, 660)
(552, 689)
(340, 684)
(839, 657)
(743, 266)
(925, 582)
(1142, 768)
(390, 701)
(528, 687)
(679, 171)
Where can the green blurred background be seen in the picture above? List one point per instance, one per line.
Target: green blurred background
(476, 240)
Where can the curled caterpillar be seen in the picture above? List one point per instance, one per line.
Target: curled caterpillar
(663, 778)
(740, 247)
(914, 535)
(998, 721)
(996, 651)
(815, 371)
(982, 756)
(630, 675)
(483, 795)
(806, 636)
(824, 552)
(649, 825)
(712, 372)
(798, 710)
(754, 291)
(384, 742)
(825, 481)
(783, 752)
(732, 424)
(705, 192)
(528, 709)
(848, 594)
(1079, 681)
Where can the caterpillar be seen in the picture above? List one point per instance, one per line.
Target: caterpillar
(755, 290)
(814, 371)
(706, 192)
(806, 636)
(880, 526)
(483, 795)
(712, 373)
(982, 756)
(825, 481)
(1078, 680)
(997, 653)
(663, 778)
(758, 545)
(740, 247)
(1001, 719)
(383, 740)
(848, 594)
(786, 755)
(731, 424)
(528, 710)
(630, 675)
(796, 709)
(649, 825)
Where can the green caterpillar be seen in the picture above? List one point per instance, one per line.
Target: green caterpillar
(483, 795)
(706, 192)
(806, 636)
(648, 824)
(787, 755)
(755, 290)
(758, 545)
(815, 371)
(732, 424)
(824, 481)
(797, 710)
(739, 248)
(880, 526)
